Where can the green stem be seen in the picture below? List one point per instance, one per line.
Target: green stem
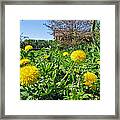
(68, 72)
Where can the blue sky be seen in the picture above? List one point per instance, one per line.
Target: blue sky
(35, 29)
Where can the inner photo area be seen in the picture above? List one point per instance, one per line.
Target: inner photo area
(59, 59)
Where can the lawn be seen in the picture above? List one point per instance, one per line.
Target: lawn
(56, 72)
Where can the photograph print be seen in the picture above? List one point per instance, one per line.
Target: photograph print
(59, 60)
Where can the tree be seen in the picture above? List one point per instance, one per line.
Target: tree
(70, 30)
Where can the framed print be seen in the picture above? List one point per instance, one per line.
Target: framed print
(60, 59)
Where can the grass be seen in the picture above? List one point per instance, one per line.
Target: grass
(61, 78)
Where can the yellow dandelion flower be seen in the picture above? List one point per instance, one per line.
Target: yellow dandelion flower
(65, 54)
(89, 78)
(24, 61)
(28, 75)
(28, 47)
(78, 55)
(87, 83)
(46, 57)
